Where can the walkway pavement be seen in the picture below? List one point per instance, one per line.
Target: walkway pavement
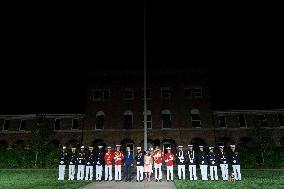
(130, 185)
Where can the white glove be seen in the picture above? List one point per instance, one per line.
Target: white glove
(234, 161)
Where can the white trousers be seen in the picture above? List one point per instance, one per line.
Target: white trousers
(71, 172)
(237, 172)
(117, 172)
(81, 170)
(108, 172)
(213, 172)
(224, 171)
(61, 173)
(192, 172)
(170, 171)
(156, 167)
(139, 173)
(203, 169)
(99, 172)
(89, 169)
(181, 168)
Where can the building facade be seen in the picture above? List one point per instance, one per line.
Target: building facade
(178, 113)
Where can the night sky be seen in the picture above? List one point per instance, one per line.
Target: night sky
(48, 52)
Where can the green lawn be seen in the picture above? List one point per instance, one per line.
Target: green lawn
(41, 179)
(268, 179)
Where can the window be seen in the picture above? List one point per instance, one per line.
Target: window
(6, 125)
(149, 119)
(166, 119)
(187, 92)
(128, 119)
(281, 119)
(165, 93)
(106, 94)
(97, 95)
(100, 94)
(148, 94)
(100, 118)
(195, 118)
(22, 125)
(128, 94)
(242, 120)
(222, 121)
(197, 92)
(57, 124)
(261, 120)
(75, 123)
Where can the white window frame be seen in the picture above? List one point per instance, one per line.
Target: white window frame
(168, 112)
(225, 119)
(169, 94)
(194, 92)
(73, 124)
(3, 126)
(93, 95)
(126, 90)
(279, 119)
(245, 117)
(59, 122)
(20, 128)
(265, 120)
(126, 113)
(191, 113)
(191, 94)
(103, 93)
(99, 113)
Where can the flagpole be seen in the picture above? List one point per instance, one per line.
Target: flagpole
(145, 86)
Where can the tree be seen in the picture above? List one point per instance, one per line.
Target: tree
(39, 137)
(263, 141)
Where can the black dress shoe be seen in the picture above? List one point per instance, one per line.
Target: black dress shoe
(141, 180)
(156, 180)
(160, 180)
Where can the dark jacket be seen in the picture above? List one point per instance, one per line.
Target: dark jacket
(139, 157)
(181, 157)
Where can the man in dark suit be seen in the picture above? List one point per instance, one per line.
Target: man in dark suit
(128, 163)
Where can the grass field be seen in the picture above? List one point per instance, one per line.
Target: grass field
(268, 179)
(41, 179)
(47, 179)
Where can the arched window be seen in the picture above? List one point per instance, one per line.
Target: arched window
(100, 119)
(195, 118)
(128, 119)
(166, 119)
(197, 142)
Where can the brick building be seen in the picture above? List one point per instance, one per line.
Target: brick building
(179, 112)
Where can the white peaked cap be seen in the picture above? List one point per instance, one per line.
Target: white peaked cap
(201, 146)
(138, 147)
(168, 148)
(180, 146)
(109, 147)
(82, 147)
(190, 145)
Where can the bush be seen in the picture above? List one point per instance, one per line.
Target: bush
(23, 158)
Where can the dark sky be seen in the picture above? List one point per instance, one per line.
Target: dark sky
(48, 51)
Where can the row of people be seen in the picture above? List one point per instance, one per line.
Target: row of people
(145, 162)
